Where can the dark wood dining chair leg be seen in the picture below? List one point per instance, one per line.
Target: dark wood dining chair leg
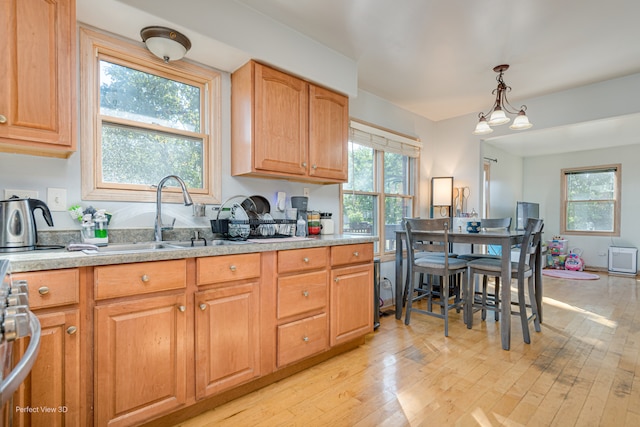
(534, 304)
(522, 306)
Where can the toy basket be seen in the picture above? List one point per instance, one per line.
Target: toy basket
(574, 261)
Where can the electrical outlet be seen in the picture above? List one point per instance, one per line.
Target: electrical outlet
(23, 194)
(57, 199)
(305, 191)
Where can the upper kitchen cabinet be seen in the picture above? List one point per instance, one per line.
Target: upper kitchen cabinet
(38, 77)
(285, 127)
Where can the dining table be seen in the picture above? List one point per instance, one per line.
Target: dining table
(503, 238)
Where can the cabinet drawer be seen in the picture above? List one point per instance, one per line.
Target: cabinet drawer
(352, 254)
(302, 293)
(297, 340)
(227, 268)
(301, 259)
(140, 278)
(51, 288)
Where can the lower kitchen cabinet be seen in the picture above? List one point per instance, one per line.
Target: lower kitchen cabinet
(54, 384)
(140, 355)
(227, 337)
(351, 292)
(301, 304)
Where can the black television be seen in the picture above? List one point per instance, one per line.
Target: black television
(524, 211)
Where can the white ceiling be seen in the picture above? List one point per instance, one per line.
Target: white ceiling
(435, 57)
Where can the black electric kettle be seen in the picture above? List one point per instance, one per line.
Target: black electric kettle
(18, 226)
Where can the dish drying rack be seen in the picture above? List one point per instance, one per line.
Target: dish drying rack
(259, 227)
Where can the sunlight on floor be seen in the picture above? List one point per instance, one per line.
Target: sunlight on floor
(591, 315)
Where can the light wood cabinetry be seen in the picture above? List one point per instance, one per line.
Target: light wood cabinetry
(55, 383)
(302, 304)
(351, 292)
(38, 77)
(227, 322)
(285, 127)
(140, 343)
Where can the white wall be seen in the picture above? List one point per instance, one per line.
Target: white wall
(505, 182)
(542, 185)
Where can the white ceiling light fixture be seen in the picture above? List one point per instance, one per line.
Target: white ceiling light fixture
(497, 114)
(165, 43)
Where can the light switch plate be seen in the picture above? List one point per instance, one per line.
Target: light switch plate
(23, 194)
(305, 191)
(57, 199)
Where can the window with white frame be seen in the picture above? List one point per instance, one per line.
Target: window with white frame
(381, 190)
(143, 119)
(591, 200)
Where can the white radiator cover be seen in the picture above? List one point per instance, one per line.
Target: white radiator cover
(623, 260)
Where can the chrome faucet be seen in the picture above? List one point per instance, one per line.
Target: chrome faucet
(159, 226)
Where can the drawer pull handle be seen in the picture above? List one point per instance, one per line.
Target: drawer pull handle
(203, 306)
(43, 290)
(3, 119)
(144, 278)
(356, 253)
(305, 339)
(305, 293)
(72, 330)
(232, 267)
(182, 308)
(305, 259)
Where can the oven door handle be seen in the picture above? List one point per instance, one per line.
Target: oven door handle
(20, 372)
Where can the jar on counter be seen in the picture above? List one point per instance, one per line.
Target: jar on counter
(326, 223)
(313, 222)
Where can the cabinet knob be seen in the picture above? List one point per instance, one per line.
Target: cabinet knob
(314, 167)
(305, 339)
(304, 164)
(337, 279)
(305, 293)
(43, 290)
(72, 330)
(305, 259)
(232, 267)
(356, 253)
(182, 308)
(3, 119)
(144, 278)
(203, 306)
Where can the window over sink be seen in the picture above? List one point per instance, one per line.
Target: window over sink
(143, 119)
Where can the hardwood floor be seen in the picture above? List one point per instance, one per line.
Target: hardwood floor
(581, 370)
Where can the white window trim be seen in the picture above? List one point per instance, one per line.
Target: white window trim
(91, 43)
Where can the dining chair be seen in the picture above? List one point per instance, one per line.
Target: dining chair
(524, 273)
(434, 260)
(486, 297)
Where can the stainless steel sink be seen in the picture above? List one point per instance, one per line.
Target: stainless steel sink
(131, 247)
(156, 246)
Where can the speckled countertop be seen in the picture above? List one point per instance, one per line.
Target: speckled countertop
(62, 258)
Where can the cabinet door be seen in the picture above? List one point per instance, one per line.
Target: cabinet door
(140, 358)
(328, 134)
(227, 337)
(281, 122)
(351, 303)
(53, 386)
(38, 78)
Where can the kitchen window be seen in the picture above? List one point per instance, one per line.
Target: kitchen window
(143, 119)
(591, 200)
(382, 184)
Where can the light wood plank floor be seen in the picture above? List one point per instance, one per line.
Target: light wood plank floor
(581, 370)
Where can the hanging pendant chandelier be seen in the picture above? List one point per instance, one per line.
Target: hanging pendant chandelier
(497, 114)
